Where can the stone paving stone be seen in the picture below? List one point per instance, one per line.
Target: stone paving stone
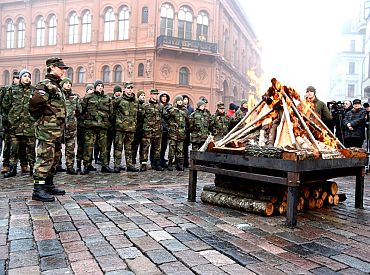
(160, 235)
(334, 265)
(61, 218)
(111, 263)
(191, 258)
(352, 262)
(331, 244)
(240, 257)
(146, 243)
(352, 271)
(320, 249)
(174, 230)
(53, 262)
(23, 258)
(208, 269)
(323, 271)
(146, 227)
(89, 231)
(29, 270)
(197, 245)
(69, 236)
(59, 271)
(101, 250)
(264, 269)
(49, 247)
(89, 266)
(3, 238)
(127, 226)
(142, 266)
(16, 233)
(299, 249)
(140, 220)
(175, 268)
(299, 261)
(160, 256)
(185, 237)
(43, 233)
(271, 248)
(268, 257)
(120, 272)
(4, 252)
(129, 253)
(79, 256)
(21, 245)
(2, 267)
(119, 241)
(111, 231)
(216, 258)
(135, 233)
(292, 269)
(291, 237)
(245, 245)
(199, 232)
(64, 226)
(173, 245)
(235, 269)
(358, 253)
(76, 246)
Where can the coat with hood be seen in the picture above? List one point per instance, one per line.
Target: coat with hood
(97, 110)
(164, 108)
(125, 113)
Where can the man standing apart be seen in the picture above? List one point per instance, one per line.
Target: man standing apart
(48, 106)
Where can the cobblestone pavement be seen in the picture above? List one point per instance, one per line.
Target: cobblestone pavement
(142, 223)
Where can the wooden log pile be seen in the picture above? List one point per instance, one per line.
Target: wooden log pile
(263, 200)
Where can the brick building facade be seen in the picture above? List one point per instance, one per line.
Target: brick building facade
(203, 47)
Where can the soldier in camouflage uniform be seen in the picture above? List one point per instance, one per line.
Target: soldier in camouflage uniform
(152, 132)
(81, 134)
(125, 118)
(21, 123)
(207, 113)
(74, 109)
(164, 102)
(239, 114)
(138, 139)
(97, 111)
(49, 107)
(219, 123)
(199, 126)
(177, 124)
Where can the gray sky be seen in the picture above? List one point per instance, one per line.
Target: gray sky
(298, 38)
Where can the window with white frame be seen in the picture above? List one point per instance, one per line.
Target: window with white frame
(109, 22)
(351, 90)
(140, 69)
(185, 23)
(351, 68)
(184, 76)
(86, 27)
(81, 75)
(40, 31)
(202, 26)
(144, 15)
(6, 79)
(36, 76)
(53, 30)
(123, 23)
(21, 32)
(166, 21)
(117, 73)
(105, 73)
(70, 73)
(9, 34)
(73, 28)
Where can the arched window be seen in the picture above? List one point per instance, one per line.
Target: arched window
(6, 77)
(123, 23)
(70, 73)
(9, 34)
(140, 69)
(21, 32)
(80, 75)
(184, 76)
(105, 73)
(144, 15)
(109, 21)
(40, 31)
(202, 26)
(86, 27)
(185, 22)
(73, 28)
(53, 30)
(166, 21)
(36, 76)
(117, 73)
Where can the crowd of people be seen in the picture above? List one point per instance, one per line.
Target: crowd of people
(37, 120)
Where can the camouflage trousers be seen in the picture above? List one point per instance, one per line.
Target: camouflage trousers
(6, 149)
(17, 142)
(99, 136)
(155, 148)
(47, 158)
(123, 139)
(70, 145)
(175, 149)
(80, 143)
(138, 143)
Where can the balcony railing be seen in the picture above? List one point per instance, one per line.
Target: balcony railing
(186, 43)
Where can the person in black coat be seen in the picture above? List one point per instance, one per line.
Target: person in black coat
(354, 123)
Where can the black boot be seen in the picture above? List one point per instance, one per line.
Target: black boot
(51, 188)
(157, 166)
(131, 168)
(170, 167)
(12, 172)
(117, 170)
(40, 194)
(143, 167)
(180, 165)
(106, 169)
(31, 169)
(71, 171)
(59, 168)
(85, 171)
(91, 168)
(79, 166)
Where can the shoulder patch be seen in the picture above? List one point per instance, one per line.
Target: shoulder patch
(41, 92)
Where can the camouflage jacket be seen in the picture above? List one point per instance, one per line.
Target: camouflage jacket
(16, 101)
(48, 105)
(96, 110)
(152, 124)
(177, 119)
(199, 126)
(140, 116)
(4, 105)
(237, 116)
(125, 113)
(73, 110)
(219, 125)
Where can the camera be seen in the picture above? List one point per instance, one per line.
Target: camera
(337, 110)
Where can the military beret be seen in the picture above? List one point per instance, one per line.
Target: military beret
(311, 89)
(65, 80)
(154, 92)
(200, 103)
(15, 74)
(58, 62)
(24, 71)
(97, 82)
(140, 92)
(129, 85)
(220, 105)
(89, 87)
(117, 88)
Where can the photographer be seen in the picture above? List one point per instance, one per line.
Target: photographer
(354, 125)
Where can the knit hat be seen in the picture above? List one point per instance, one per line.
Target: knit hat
(203, 99)
(117, 89)
(89, 87)
(97, 82)
(24, 71)
(15, 74)
(232, 106)
(64, 80)
(243, 101)
(139, 93)
(154, 92)
(200, 103)
(220, 105)
(311, 89)
(178, 98)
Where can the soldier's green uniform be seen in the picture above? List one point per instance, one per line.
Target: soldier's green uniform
(152, 131)
(117, 92)
(219, 123)
(239, 114)
(97, 111)
(199, 126)
(138, 138)
(177, 119)
(21, 123)
(125, 118)
(73, 109)
(49, 107)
